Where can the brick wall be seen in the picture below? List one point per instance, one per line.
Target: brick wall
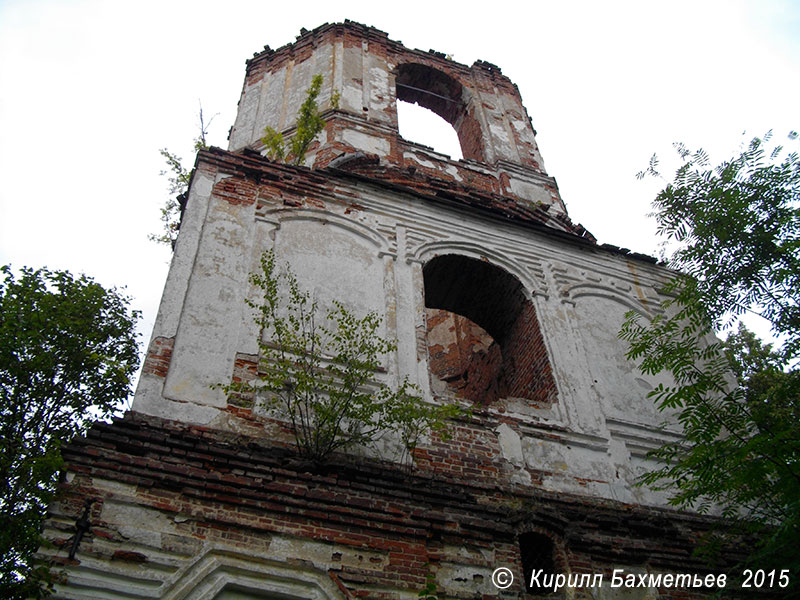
(164, 494)
(526, 367)
(464, 356)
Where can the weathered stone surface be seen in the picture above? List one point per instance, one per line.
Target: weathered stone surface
(192, 494)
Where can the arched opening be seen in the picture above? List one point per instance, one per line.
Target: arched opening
(537, 552)
(484, 340)
(420, 125)
(446, 97)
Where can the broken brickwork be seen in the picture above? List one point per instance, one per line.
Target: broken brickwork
(158, 355)
(463, 355)
(513, 361)
(370, 73)
(164, 493)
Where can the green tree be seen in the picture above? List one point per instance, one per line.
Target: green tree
(309, 124)
(178, 177)
(430, 591)
(736, 230)
(68, 352)
(321, 376)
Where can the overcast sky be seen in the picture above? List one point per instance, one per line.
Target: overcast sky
(90, 90)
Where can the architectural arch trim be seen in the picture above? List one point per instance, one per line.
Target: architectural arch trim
(581, 290)
(278, 216)
(217, 569)
(426, 252)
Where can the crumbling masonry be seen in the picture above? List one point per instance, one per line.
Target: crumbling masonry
(497, 300)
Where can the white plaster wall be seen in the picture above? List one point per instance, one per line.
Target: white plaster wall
(333, 263)
(371, 258)
(616, 383)
(274, 99)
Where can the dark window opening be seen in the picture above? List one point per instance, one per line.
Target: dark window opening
(536, 551)
(440, 93)
(484, 339)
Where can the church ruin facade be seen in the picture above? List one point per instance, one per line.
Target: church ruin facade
(497, 300)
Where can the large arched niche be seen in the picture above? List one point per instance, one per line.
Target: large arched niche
(615, 380)
(440, 93)
(333, 259)
(483, 334)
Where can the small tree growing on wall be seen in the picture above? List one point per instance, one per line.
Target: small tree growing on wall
(309, 124)
(178, 176)
(322, 376)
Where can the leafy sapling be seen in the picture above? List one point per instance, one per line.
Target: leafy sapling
(309, 124)
(178, 177)
(321, 376)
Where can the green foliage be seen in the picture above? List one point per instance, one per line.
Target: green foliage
(736, 227)
(273, 140)
(68, 352)
(178, 177)
(429, 592)
(170, 212)
(309, 124)
(322, 376)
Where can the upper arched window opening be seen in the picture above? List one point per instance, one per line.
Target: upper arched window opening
(420, 125)
(441, 94)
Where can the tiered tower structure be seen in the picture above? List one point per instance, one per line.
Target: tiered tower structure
(496, 299)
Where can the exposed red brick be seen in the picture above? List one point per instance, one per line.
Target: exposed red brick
(241, 495)
(512, 363)
(236, 191)
(526, 366)
(293, 185)
(158, 357)
(471, 365)
(129, 556)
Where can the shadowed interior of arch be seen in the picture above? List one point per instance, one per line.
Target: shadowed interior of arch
(484, 339)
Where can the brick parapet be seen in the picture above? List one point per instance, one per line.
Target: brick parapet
(304, 183)
(240, 492)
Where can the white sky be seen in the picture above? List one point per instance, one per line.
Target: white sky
(90, 90)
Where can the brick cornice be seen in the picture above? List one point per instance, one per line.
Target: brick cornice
(370, 498)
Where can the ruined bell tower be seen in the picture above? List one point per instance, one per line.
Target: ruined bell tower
(497, 300)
